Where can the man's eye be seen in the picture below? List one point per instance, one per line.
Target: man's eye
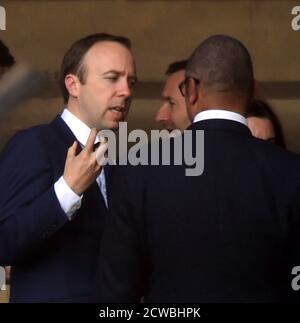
(131, 82)
(112, 79)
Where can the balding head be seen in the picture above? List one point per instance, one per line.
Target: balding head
(223, 66)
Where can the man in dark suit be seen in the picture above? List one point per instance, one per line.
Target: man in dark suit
(172, 113)
(229, 235)
(53, 192)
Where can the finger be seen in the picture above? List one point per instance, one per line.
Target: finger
(101, 154)
(72, 150)
(91, 140)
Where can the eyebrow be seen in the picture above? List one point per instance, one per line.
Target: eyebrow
(168, 98)
(112, 71)
(118, 73)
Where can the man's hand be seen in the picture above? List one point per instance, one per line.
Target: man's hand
(82, 170)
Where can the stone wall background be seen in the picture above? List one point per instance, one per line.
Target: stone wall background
(39, 32)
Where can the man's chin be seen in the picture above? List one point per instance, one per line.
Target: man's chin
(113, 125)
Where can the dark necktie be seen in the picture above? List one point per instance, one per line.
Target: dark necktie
(96, 145)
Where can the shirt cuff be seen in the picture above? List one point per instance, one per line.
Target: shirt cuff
(69, 201)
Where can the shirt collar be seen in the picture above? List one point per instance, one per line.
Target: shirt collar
(80, 130)
(220, 114)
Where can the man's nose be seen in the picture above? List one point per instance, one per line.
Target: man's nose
(125, 89)
(163, 115)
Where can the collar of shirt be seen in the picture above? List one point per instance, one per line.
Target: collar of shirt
(220, 113)
(80, 130)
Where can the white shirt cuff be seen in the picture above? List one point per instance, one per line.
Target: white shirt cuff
(69, 201)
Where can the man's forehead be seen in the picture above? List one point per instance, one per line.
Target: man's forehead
(111, 55)
(177, 76)
(107, 45)
(172, 82)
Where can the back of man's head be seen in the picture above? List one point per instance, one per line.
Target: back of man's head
(222, 64)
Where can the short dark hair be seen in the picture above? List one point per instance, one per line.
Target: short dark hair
(72, 61)
(222, 63)
(176, 67)
(6, 58)
(262, 109)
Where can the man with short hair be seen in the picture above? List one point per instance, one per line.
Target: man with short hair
(231, 234)
(53, 193)
(172, 114)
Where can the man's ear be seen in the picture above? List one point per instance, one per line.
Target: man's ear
(192, 92)
(191, 99)
(72, 84)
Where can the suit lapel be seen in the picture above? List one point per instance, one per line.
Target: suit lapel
(65, 133)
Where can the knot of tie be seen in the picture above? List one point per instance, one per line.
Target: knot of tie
(96, 145)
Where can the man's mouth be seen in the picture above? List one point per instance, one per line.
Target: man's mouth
(119, 109)
(168, 129)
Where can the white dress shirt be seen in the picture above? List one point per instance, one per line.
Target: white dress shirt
(220, 113)
(69, 201)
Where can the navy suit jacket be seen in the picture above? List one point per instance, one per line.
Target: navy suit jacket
(53, 259)
(229, 235)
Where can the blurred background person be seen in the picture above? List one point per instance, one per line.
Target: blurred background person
(264, 123)
(18, 81)
(172, 113)
(6, 58)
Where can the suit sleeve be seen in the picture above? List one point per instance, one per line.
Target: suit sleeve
(122, 258)
(29, 210)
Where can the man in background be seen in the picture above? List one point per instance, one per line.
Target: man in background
(172, 114)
